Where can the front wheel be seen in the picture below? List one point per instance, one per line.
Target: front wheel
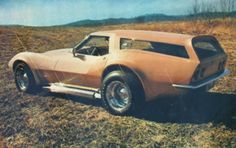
(24, 78)
(122, 93)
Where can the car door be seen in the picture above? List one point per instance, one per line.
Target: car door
(85, 66)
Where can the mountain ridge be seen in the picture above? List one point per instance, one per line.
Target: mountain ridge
(155, 17)
(148, 18)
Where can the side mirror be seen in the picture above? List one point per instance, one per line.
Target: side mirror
(75, 54)
(80, 56)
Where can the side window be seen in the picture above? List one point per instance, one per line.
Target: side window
(170, 49)
(163, 48)
(94, 45)
(133, 44)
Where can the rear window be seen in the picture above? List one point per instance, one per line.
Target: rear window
(162, 48)
(206, 47)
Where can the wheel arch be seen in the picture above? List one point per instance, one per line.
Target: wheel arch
(123, 68)
(16, 62)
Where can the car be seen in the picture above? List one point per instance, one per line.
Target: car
(125, 68)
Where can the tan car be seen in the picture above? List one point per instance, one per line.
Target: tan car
(125, 67)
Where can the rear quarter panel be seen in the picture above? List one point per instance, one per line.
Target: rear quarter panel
(157, 72)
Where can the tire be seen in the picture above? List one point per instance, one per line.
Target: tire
(122, 93)
(24, 78)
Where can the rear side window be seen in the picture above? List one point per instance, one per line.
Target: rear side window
(206, 47)
(162, 48)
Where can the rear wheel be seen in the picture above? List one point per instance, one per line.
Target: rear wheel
(122, 93)
(24, 78)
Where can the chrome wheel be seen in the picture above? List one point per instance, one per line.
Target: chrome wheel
(22, 78)
(118, 96)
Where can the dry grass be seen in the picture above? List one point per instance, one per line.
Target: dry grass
(62, 120)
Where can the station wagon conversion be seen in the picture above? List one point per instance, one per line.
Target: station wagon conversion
(124, 67)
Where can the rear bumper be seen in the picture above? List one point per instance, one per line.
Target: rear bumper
(204, 83)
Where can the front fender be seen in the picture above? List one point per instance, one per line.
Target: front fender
(23, 56)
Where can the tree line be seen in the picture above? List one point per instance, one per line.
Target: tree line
(212, 6)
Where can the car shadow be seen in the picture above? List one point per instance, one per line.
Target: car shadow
(209, 107)
(86, 101)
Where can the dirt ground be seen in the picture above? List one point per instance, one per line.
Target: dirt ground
(47, 119)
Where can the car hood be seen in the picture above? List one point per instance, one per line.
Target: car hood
(59, 51)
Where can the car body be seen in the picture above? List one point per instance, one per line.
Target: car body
(163, 63)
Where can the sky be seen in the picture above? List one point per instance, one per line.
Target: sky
(57, 12)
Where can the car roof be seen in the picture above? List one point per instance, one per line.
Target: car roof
(157, 36)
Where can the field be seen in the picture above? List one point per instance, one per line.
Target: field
(47, 119)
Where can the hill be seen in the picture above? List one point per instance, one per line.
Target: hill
(148, 18)
(113, 21)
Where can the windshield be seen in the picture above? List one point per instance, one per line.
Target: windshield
(206, 47)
